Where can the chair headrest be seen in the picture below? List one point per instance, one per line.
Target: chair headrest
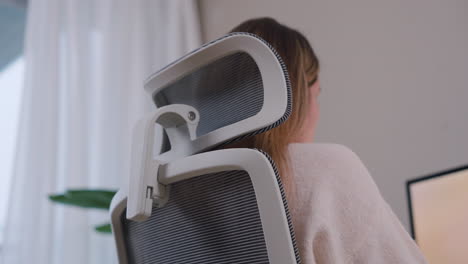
(238, 84)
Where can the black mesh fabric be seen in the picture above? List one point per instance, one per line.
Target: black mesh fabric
(224, 91)
(211, 218)
(161, 99)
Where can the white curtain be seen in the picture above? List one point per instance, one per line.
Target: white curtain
(86, 61)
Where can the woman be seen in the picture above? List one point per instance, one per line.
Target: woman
(338, 213)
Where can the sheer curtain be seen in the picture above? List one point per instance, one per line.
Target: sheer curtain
(86, 61)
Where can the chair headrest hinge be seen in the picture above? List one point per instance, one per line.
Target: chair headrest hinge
(180, 122)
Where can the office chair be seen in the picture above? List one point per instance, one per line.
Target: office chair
(188, 200)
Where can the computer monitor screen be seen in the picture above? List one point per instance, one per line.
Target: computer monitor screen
(439, 215)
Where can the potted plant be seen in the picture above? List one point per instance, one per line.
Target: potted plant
(84, 198)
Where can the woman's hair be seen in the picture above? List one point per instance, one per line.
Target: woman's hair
(303, 67)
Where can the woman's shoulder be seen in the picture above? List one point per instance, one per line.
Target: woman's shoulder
(325, 157)
(330, 167)
(339, 209)
(333, 189)
(321, 150)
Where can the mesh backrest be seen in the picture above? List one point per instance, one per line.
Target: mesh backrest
(225, 91)
(211, 218)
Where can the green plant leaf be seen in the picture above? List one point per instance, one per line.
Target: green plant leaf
(100, 199)
(104, 228)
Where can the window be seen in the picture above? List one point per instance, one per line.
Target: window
(11, 86)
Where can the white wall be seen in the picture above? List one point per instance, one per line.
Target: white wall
(394, 78)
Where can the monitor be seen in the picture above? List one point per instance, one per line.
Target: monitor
(438, 207)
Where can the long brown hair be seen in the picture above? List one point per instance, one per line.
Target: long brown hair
(303, 67)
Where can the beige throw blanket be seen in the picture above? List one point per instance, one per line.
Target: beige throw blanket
(338, 213)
